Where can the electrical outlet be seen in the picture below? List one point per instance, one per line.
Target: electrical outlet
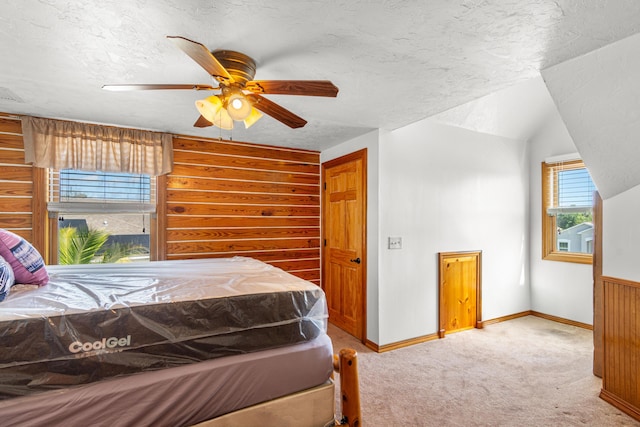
(395, 242)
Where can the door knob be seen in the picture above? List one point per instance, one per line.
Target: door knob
(357, 260)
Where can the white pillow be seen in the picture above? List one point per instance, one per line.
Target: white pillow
(7, 278)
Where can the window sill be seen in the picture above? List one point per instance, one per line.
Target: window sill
(569, 257)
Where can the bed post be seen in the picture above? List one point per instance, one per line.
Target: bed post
(347, 366)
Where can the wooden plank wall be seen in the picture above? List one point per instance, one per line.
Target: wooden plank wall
(223, 199)
(228, 198)
(621, 339)
(16, 180)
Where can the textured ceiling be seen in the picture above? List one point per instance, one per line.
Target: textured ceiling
(395, 61)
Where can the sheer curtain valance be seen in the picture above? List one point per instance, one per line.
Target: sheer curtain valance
(62, 144)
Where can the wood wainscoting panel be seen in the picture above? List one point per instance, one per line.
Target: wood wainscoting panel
(621, 345)
(227, 198)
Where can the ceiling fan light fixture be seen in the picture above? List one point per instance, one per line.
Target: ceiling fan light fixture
(252, 118)
(238, 106)
(223, 120)
(209, 107)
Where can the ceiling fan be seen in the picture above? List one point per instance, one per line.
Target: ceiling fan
(240, 97)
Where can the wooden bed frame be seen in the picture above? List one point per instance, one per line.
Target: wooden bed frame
(346, 364)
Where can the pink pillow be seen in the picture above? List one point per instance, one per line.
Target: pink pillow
(26, 262)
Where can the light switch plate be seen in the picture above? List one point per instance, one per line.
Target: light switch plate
(395, 242)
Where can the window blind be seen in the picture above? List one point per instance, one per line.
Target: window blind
(76, 191)
(571, 188)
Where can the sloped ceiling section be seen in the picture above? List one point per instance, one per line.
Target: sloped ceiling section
(516, 112)
(598, 97)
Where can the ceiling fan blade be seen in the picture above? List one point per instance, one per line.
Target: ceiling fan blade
(202, 123)
(293, 87)
(277, 112)
(199, 53)
(122, 88)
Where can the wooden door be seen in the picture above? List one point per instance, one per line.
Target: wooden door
(459, 291)
(344, 241)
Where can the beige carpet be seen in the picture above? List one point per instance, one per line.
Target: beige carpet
(524, 372)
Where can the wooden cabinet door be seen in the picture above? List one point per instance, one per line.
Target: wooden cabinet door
(459, 291)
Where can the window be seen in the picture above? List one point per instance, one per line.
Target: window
(102, 216)
(589, 245)
(567, 218)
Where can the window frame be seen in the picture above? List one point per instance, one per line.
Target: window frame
(549, 227)
(156, 240)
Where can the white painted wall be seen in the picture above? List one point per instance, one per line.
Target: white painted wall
(597, 95)
(621, 235)
(561, 289)
(448, 189)
(444, 188)
(441, 188)
(370, 142)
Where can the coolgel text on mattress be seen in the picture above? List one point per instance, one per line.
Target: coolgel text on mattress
(95, 322)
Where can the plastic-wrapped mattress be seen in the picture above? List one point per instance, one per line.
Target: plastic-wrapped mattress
(93, 322)
(190, 394)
